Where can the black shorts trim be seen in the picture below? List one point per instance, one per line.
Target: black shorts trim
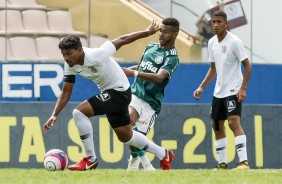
(225, 107)
(114, 104)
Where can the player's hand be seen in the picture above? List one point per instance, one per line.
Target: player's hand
(198, 92)
(241, 96)
(154, 27)
(128, 72)
(50, 122)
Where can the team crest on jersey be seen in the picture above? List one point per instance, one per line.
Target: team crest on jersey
(92, 69)
(231, 105)
(159, 59)
(223, 49)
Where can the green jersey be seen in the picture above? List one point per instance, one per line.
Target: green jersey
(153, 59)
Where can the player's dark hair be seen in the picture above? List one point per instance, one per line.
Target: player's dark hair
(220, 14)
(70, 42)
(173, 22)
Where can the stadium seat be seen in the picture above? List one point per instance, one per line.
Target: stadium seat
(25, 4)
(13, 22)
(36, 20)
(47, 48)
(3, 4)
(60, 22)
(22, 48)
(96, 41)
(4, 49)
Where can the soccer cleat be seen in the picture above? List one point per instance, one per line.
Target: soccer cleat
(84, 164)
(221, 166)
(242, 165)
(165, 163)
(133, 163)
(149, 167)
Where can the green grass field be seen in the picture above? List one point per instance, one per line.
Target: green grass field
(121, 176)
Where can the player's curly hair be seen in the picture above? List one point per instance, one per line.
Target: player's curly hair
(70, 42)
(172, 22)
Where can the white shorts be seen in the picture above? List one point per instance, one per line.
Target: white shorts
(147, 115)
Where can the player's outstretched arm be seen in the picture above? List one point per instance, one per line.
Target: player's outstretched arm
(61, 103)
(131, 37)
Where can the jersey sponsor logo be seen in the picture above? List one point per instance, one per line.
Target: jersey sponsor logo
(92, 69)
(104, 97)
(147, 65)
(159, 59)
(231, 105)
(223, 49)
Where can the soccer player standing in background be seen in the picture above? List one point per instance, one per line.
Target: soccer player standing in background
(153, 73)
(97, 65)
(226, 54)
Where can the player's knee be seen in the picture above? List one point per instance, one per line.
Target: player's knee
(124, 136)
(76, 114)
(132, 121)
(234, 126)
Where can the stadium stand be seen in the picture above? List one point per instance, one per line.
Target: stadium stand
(31, 32)
(26, 18)
(11, 23)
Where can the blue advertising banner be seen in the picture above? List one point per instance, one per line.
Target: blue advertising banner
(184, 128)
(26, 81)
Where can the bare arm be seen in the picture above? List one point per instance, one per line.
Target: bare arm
(150, 77)
(247, 73)
(61, 103)
(131, 37)
(135, 67)
(209, 77)
(130, 70)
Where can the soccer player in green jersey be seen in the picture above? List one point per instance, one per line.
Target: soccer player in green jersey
(152, 74)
